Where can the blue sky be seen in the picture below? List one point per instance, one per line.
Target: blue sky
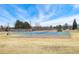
(44, 14)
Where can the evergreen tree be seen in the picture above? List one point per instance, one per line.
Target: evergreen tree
(18, 24)
(74, 25)
(22, 25)
(26, 25)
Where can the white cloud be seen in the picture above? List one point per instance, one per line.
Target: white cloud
(62, 21)
(20, 13)
(6, 17)
(41, 10)
(42, 18)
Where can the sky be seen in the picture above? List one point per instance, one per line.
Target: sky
(42, 14)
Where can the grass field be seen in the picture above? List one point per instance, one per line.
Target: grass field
(20, 45)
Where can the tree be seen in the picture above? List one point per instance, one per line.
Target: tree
(2, 28)
(38, 26)
(65, 26)
(51, 26)
(74, 25)
(22, 25)
(6, 29)
(26, 25)
(59, 28)
(18, 24)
